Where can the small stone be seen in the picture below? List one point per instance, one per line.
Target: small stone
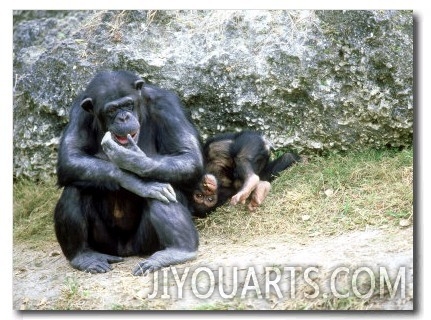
(404, 222)
(329, 192)
(54, 253)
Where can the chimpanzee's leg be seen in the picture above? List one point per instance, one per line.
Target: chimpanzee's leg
(71, 228)
(259, 194)
(251, 154)
(249, 185)
(273, 168)
(245, 172)
(175, 232)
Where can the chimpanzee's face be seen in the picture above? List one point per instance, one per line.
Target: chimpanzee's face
(121, 118)
(116, 105)
(205, 195)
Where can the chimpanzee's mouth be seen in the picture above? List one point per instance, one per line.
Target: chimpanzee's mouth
(123, 139)
(209, 183)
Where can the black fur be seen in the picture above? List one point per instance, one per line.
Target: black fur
(118, 198)
(233, 158)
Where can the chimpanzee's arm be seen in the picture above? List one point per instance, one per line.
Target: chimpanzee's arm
(179, 158)
(77, 166)
(177, 167)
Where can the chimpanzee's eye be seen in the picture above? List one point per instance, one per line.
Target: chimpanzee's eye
(111, 111)
(128, 107)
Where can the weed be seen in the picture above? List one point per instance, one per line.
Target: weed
(33, 206)
(335, 193)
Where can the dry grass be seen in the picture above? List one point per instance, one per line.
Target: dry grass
(33, 206)
(326, 196)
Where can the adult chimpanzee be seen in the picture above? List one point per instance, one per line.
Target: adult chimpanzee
(124, 160)
(237, 165)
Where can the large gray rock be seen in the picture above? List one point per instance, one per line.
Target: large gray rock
(313, 81)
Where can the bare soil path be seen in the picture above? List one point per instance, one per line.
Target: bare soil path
(343, 272)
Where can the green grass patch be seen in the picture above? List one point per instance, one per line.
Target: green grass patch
(321, 196)
(326, 196)
(33, 210)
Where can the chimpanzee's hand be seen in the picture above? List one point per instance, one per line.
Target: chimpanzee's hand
(159, 191)
(130, 157)
(148, 189)
(132, 144)
(115, 151)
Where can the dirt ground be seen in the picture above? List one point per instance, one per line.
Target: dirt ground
(344, 272)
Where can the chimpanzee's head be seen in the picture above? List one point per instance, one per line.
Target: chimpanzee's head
(114, 98)
(205, 195)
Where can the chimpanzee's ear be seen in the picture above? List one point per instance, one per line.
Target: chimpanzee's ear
(138, 84)
(87, 104)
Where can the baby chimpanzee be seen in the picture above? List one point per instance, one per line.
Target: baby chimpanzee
(237, 166)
